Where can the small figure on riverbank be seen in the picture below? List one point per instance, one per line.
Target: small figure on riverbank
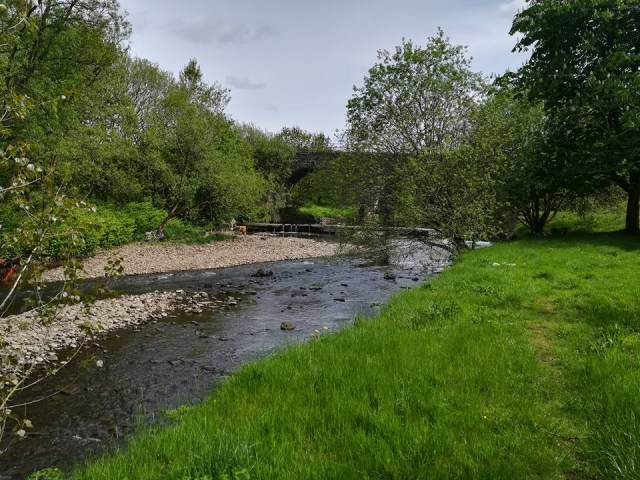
(234, 227)
(8, 267)
(150, 236)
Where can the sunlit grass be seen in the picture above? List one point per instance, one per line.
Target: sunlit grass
(521, 361)
(318, 212)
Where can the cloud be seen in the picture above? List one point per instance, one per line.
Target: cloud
(240, 34)
(207, 32)
(271, 108)
(512, 7)
(243, 83)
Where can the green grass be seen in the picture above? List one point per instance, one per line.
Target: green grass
(596, 220)
(520, 361)
(318, 212)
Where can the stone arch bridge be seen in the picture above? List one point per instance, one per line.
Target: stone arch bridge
(307, 162)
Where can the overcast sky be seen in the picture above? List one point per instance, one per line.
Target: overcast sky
(295, 62)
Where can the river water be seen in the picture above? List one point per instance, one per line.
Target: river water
(178, 360)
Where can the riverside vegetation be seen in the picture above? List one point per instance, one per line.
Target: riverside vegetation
(520, 361)
(97, 147)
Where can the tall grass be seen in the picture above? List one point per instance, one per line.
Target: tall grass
(521, 361)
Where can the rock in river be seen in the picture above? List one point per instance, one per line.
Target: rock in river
(287, 326)
(262, 273)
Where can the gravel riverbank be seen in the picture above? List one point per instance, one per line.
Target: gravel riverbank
(142, 258)
(24, 341)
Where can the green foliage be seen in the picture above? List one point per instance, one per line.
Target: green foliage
(48, 474)
(584, 67)
(325, 185)
(408, 137)
(509, 137)
(341, 214)
(592, 218)
(273, 156)
(82, 235)
(145, 217)
(302, 141)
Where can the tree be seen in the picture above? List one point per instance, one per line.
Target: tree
(303, 141)
(207, 167)
(274, 156)
(190, 121)
(32, 205)
(408, 134)
(585, 69)
(509, 136)
(273, 159)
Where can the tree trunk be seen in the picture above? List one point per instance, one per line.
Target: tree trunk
(173, 213)
(633, 210)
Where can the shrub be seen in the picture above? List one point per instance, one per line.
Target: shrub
(145, 217)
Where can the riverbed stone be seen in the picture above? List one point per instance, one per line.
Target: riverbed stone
(287, 326)
(263, 273)
(39, 342)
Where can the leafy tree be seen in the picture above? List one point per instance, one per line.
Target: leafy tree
(207, 166)
(585, 68)
(273, 159)
(303, 141)
(408, 133)
(509, 137)
(119, 154)
(273, 155)
(61, 57)
(35, 211)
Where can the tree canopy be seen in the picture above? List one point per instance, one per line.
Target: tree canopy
(408, 136)
(585, 69)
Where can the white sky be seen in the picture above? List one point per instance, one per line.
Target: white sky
(295, 62)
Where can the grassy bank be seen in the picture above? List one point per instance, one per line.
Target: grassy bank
(521, 361)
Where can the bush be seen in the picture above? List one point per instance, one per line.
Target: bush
(116, 229)
(107, 227)
(145, 216)
(83, 235)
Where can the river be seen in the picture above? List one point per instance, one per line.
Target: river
(86, 409)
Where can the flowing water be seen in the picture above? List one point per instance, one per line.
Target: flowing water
(86, 409)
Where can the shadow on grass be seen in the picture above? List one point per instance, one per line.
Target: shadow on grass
(620, 239)
(601, 315)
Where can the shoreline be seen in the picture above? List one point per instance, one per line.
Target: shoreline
(144, 258)
(28, 343)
